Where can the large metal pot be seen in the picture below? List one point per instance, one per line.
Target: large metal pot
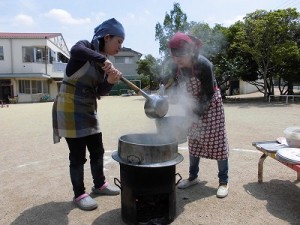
(147, 150)
(173, 127)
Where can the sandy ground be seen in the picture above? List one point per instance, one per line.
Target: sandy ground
(35, 186)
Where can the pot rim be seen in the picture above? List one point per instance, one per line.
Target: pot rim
(171, 140)
(179, 158)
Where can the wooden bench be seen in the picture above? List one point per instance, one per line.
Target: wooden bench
(271, 153)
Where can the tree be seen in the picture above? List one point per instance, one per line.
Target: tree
(173, 22)
(288, 67)
(264, 37)
(239, 63)
(260, 50)
(214, 47)
(149, 71)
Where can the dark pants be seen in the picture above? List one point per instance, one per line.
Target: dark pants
(77, 157)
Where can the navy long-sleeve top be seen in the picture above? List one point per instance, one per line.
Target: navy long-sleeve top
(82, 52)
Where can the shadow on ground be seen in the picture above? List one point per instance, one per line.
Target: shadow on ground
(55, 213)
(280, 203)
(188, 195)
(110, 218)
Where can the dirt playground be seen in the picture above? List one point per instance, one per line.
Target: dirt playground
(36, 189)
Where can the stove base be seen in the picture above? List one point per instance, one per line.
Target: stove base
(148, 195)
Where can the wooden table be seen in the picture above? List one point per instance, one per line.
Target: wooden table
(268, 148)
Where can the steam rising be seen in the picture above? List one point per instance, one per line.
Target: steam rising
(180, 116)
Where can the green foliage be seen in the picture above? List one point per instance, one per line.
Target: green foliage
(173, 22)
(145, 81)
(260, 49)
(149, 71)
(269, 39)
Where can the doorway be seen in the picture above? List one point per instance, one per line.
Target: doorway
(6, 92)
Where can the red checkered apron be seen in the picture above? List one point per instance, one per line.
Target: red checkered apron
(207, 137)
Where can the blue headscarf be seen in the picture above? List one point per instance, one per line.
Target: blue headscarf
(111, 27)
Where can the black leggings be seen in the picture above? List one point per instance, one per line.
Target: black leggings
(77, 157)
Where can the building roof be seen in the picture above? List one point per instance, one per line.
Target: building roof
(56, 38)
(24, 75)
(129, 49)
(29, 35)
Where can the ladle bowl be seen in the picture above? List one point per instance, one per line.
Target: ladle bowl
(156, 106)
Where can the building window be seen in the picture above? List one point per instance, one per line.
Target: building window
(1, 53)
(123, 59)
(53, 56)
(36, 86)
(24, 86)
(33, 86)
(27, 53)
(45, 86)
(40, 55)
(34, 54)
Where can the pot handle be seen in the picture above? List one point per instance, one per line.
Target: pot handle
(180, 178)
(118, 184)
(135, 160)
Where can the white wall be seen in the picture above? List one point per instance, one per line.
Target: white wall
(53, 89)
(6, 64)
(246, 88)
(18, 65)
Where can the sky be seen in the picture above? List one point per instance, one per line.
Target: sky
(76, 19)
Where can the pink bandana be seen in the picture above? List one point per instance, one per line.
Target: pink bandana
(179, 39)
(182, 44)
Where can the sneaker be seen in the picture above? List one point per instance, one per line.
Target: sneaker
(187, 183)
(106, 189)
(85, 202)
(222, 191)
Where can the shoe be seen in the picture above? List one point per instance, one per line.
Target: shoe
(85, 202)
(187, 183)
(222, 190)
(106, 189)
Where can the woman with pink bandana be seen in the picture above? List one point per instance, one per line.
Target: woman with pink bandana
(207, 134)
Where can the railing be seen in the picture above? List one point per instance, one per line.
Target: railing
(59, 67)
(286, 97)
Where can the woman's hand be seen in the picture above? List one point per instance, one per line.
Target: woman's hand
(114, 75)
(107, 65)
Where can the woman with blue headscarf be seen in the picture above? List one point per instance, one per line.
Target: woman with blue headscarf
(89, 74)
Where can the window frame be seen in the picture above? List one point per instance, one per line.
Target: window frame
(33, 86)
(37, 54)
(1, 53)
(124, 59)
